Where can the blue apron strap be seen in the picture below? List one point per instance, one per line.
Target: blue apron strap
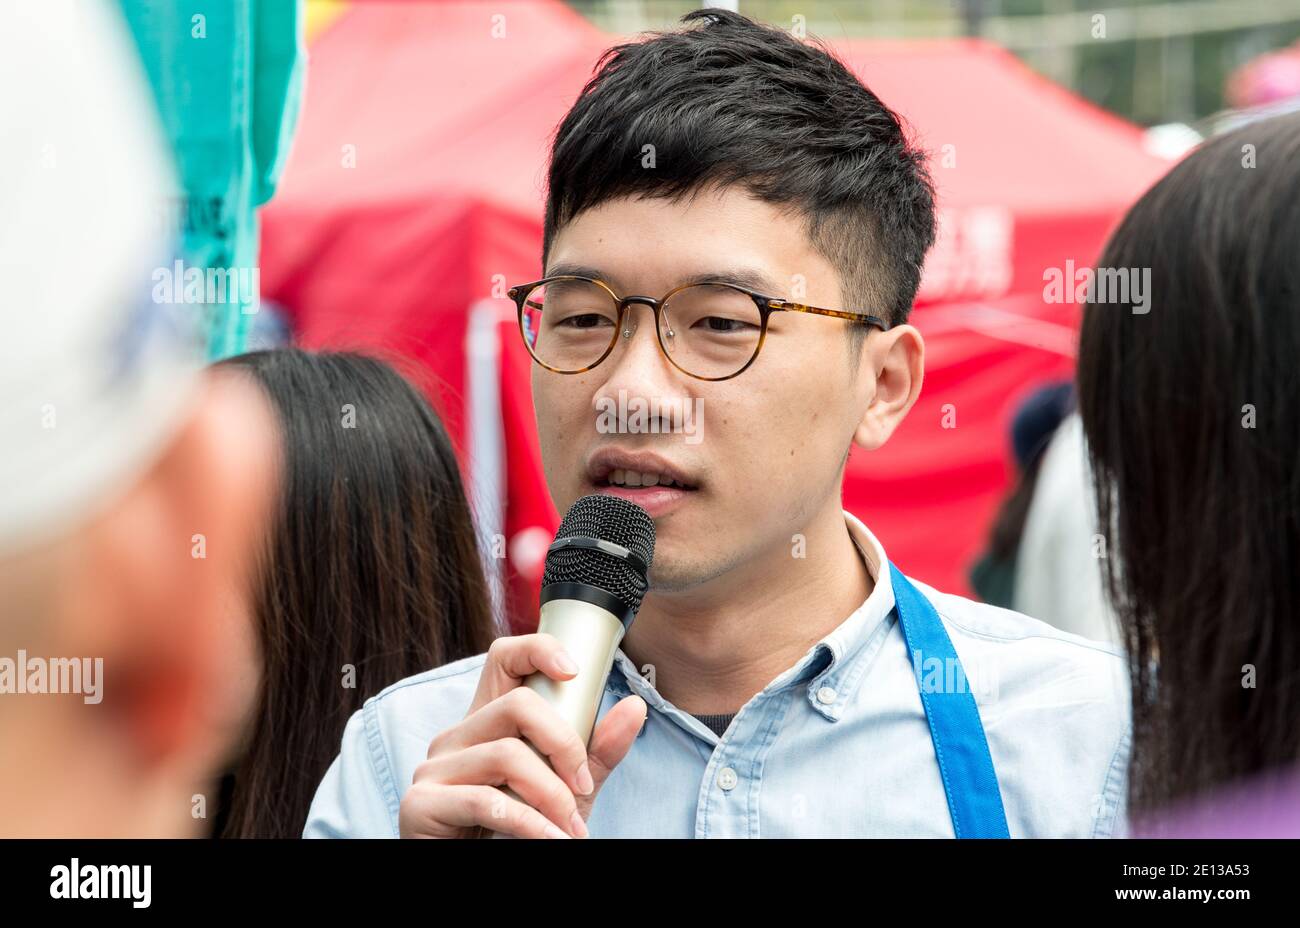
(965, 765)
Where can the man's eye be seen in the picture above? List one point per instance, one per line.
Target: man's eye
(585, 321)
(722, 324)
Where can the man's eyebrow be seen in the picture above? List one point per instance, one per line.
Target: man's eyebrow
(565, 269)
(748, 278)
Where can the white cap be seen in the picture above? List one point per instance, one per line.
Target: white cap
(95, 377)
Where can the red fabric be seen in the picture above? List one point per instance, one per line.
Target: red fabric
(449, 127)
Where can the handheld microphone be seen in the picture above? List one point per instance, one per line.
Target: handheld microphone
(592, 586)
(595, 578)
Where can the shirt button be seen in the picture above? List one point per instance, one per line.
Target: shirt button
(826, 695)
(727, 778)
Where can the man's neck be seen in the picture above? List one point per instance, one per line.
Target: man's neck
(714, 646)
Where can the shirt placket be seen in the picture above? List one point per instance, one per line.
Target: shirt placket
(728, 802)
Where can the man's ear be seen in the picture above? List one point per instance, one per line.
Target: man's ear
(153, 589)
(893, 366)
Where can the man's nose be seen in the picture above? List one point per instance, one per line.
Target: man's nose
(636, 363)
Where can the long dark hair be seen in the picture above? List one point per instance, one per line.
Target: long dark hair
(372, 562)
(1192, 412)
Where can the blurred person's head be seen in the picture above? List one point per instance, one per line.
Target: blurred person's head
(1192, 413)
(731, 151)
(131, 487)
(127, 603)
(371, 571)
(1035, 422)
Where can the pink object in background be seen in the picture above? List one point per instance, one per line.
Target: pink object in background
(1267, 806)
(1267, 79)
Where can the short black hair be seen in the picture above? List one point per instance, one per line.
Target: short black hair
(731, 101)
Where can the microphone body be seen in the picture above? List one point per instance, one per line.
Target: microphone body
(591, 634)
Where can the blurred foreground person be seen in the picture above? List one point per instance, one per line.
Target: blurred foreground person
(1192, 414)
(130, 487)
(371, 574)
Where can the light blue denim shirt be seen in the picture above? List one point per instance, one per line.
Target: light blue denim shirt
(836, 746)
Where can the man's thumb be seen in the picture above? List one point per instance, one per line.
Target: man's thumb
(610, 741)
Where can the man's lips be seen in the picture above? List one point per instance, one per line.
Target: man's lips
(651, 481)
(637, 469)
(656, 501)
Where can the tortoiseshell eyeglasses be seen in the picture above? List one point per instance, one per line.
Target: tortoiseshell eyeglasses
(708, 330)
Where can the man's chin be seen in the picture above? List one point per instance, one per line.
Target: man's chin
(675, 570)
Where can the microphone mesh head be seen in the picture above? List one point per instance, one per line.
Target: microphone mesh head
(608, 518)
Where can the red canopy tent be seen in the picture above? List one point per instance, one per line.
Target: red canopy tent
(415, 190)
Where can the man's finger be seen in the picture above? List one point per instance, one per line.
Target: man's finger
(612, 739)
(521, 713)
(439, 811)
(510, 660)
(512, 763)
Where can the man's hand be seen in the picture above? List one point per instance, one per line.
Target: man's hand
(457, 790)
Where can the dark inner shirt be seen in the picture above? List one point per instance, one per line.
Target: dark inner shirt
(717, 723)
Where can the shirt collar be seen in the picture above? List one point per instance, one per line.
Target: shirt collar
(851, 644)
(833, 668)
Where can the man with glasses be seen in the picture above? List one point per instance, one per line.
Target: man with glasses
(732, 218)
